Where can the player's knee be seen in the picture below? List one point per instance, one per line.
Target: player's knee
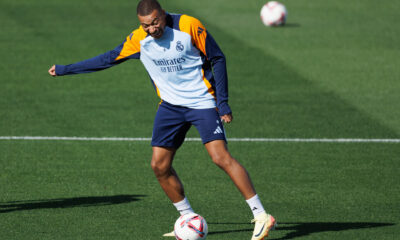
(224, 161)
(159, 166)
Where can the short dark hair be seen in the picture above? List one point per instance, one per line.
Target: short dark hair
(146, 7)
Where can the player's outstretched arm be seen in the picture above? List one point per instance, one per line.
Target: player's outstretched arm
(98, 63)
(126, 50)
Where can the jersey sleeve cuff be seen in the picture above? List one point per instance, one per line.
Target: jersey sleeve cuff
(60, 70)
(223, 109)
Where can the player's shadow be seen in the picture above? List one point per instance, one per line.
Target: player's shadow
(305, 229)
(6, 207)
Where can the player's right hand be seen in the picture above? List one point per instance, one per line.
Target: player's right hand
(52, 71)
(227, 118)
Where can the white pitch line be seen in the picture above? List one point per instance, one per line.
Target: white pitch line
(321, 140)
(75, 138)
(327, 140)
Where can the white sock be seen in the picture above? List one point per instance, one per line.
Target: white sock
(255, 205)
(183, 207)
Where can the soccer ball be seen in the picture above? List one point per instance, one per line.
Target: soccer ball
(190, 226)
(273, 14)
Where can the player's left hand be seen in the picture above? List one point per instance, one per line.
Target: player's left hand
(227, 118)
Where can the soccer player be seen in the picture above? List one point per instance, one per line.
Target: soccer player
(188, 71)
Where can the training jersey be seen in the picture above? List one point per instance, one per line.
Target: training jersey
(186, 66)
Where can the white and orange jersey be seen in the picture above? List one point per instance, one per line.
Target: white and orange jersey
(186, 66)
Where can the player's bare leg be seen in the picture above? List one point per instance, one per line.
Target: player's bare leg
(161, 163)
(221, 157)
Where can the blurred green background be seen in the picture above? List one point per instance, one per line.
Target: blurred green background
(331, 72)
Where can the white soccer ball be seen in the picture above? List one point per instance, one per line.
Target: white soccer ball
(190, 226)
(273, 13)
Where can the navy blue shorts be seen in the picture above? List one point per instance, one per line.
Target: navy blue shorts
(172, 123)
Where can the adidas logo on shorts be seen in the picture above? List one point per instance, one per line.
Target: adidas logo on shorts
(218, 130)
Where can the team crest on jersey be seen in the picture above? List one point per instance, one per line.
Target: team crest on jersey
(179, 46)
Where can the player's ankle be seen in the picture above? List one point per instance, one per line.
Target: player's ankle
(183, 207)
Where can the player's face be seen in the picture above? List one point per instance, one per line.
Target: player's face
(154, 23)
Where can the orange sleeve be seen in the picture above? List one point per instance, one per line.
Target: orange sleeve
(131, 45)
(196, 30)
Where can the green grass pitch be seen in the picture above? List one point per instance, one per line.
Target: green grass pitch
(331, 72)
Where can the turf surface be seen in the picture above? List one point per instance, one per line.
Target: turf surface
(332, 72)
